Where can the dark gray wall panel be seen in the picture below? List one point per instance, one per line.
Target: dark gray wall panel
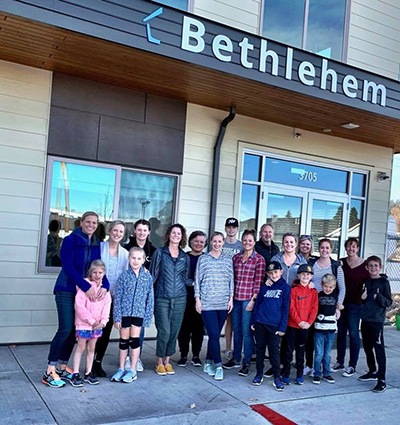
(73, 133)
(140, 145)
(165, 112)
(98, 98)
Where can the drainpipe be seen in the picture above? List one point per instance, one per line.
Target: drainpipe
(216, 164)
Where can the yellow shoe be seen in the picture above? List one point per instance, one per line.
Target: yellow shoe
(169, 369)
(160, 370)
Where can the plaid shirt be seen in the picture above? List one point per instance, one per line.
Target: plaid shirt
(249, 275)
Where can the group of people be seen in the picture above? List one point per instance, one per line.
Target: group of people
(287, 301)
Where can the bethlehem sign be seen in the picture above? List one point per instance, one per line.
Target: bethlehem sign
(261, 59)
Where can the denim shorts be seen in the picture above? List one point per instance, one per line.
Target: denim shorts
(89, 334)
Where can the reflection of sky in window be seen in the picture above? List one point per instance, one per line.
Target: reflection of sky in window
(90, 189)
(283, 21)
(178, 4)
(145, 195)
(251, 167)
(326, 27)
(248, 206)
(279, 205)
(325, 210)
(358, 184)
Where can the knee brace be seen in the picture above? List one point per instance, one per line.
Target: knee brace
(134, 343)
(123, 344)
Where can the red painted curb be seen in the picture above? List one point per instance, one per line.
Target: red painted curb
(274, 417)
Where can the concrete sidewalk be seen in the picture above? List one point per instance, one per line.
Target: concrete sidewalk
(153, 398)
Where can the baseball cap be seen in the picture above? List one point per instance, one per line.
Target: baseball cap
(305, 268)
(274, 265)
(231, 221)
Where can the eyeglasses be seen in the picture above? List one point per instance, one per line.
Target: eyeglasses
(306, 237)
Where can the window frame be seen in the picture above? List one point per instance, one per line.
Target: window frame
(45, 220)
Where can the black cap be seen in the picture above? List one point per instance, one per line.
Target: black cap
(305, 268)
(274, 265)
(231, 221)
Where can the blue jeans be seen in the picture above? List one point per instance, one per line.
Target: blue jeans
(64, 340)
(214, 322)
(349, 322)
(323, 341)
(242, 335)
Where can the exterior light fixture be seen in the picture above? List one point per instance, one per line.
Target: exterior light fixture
(382, 176)
(350, 125)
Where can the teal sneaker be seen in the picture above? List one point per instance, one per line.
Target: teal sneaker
(64, 374)
(52, 380)
(211, 370)
(118, 375)
(219, 373)
(130, 376)
(207, 365)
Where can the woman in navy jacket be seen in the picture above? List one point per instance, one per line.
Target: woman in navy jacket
(78, 250)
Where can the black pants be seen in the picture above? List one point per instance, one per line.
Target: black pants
(310, 347)
(372, 335)
(295, 340)
(102, 342)
(192, 328)
(265, 335)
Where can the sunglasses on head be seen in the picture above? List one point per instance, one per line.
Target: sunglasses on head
(306, 237)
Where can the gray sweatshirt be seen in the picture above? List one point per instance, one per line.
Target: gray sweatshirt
(214, 281)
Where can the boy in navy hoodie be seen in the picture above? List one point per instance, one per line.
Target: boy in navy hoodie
(269, 321)
(376, 299)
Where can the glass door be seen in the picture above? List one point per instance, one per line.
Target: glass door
(326, 218)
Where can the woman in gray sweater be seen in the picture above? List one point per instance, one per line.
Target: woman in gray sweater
(213, 290)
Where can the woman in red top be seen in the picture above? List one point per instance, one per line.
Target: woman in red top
(249, 272)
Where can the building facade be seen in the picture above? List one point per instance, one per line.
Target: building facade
(190, 114)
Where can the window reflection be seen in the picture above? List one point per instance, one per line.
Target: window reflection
(249, 206)
(148, 196)
(358, 186)
(252, 167)
(178, 4)
(284, 21)
(355, 218)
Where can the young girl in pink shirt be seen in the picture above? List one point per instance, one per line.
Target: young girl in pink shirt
(90, 319)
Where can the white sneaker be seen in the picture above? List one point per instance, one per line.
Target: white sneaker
(349, 371)
(128, 363)
(228, 354)
(306, 370)
(139, 366)
(311, 375)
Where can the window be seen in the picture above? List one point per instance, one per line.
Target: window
(178, 4)
(313, 25)
(74, 187)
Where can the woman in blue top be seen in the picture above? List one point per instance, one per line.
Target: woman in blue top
(78, 250)
(170, 271)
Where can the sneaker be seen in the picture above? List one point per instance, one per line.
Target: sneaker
(128, 363)
(307, 370)
(278, 384)
(130, 375)
(299, 380)
(76, 380)
(169, 369)
(285, 381)
(160, 370)
(253, 359)
(369, 376)
(118, 375)
(311, 374)
(316, 380)
(52, 380)
(139, 366)
(228, 354)
(328, 379)
(380, 387)
(211, 370)
(258, 379)
(206, 366)
(64, 375)
(182, 361)
(91, 378)
(337, 366)
(349, 371)
(196, 362)
(231, 364)
(269, 373)
(98, 370)
(219, 373)
(244, 370)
